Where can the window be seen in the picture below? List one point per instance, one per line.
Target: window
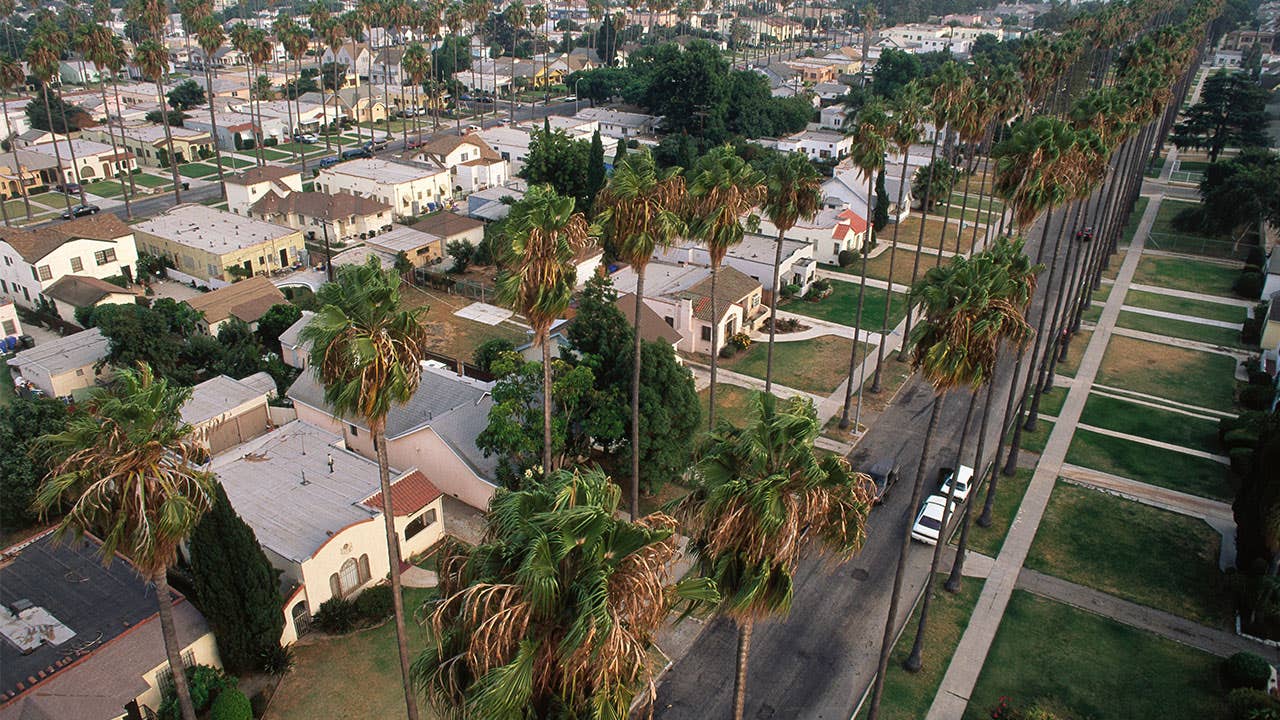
(355, 431)
(670, 320)
(420, 523)
(10, 328)
(79, 372)
(77, 265)
(43, 273)
(706, 333)
(102, 257)
(835, 249)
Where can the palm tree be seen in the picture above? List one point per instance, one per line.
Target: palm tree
(11, 78)
(543, 236)
(59, 40)
(537, 19)
(907, 111)
(476, 12)
(417, 65)
(366, 348)
(210, 36)
(759, 501)
(455, 18)
(724, 188)
(321, 22)
(42, 57)
(296, 43)
(283, 27)
(97, 45)
(126, 469)
(260, 53)
(794, 193)
(120, 58)
(516, 16)
(641, 208)
(872, 140)
(555, 611)
(243, 41)
(595, 11)
(152, 58)
(429, 20)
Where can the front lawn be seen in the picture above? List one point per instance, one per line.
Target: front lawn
(1184, 274)
(878, 266)
(733, 403)
(907, 696)
(153, 181)
(235, 163)
(1051, 402)
(104, 188)
(1148, 422)
(1208, 334)
(1093, 667)
(1185, 306)
(817, 366)
(1009, 491)
(197, 170)
(1178, 374)
(1075, 352)
(841, 306)
(1143, 554)
(1151, 465)
(351, 677)
(274, 154)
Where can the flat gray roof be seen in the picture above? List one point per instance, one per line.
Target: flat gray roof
(215, 231)
(402, 239)
(383, 171)
(217, 395)
(281, 485)
(64, 354)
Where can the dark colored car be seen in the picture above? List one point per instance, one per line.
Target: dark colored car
(68, 188)
(884, 474)
(378, 144)
(81, 211)
(328, 161)
(360, 152)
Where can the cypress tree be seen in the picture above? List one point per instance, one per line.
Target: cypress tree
(236, 588)
(595, 166)
(880, 217)
(620, 153)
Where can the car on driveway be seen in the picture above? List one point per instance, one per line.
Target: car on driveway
(81, 211)
(70, 188)
(928, 523)
(305, 138)
(964, 483)
(360, 152)
(884, 474)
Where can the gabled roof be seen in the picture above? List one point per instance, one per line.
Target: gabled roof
(847, 221)
(446, 144)
(266, 173)
(318, 205)
(247, 300)
(85, 290)
(65, 354)
(446, 224)
(33, 245)
(220, 394)
(652, 327)
(409, 494)
(290, 336)
(732, 285)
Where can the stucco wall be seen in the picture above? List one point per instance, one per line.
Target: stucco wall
(428, 452)
(204, 651)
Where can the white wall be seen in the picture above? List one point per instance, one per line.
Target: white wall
(17, 273)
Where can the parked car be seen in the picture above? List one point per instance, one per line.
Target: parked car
(328, 161)
(81, 211)
(305, 138)
(964, 483)
(376, 144)
(67, 188)
(884, 474)
(360, 152)
(414, 143)
(928, 523)
(570, 98)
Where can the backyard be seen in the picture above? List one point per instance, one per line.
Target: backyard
(452, 335)
(818, 365)
(733, 403)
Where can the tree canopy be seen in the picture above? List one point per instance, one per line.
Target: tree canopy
(1231, 113)
(186, 95)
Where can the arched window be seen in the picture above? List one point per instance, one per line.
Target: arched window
(364, 569)
(348, 577)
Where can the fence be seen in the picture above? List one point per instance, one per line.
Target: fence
(437, 280)
(1200, 245)
(461, 367)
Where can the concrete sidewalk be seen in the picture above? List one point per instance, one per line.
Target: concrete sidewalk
(1188, 295)
(1182, 318)
(1240, 355)
(1155, 443)
(1153, 495)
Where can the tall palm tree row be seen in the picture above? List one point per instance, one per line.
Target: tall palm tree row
(42, 57)
(99, 46)
(760, 500)
(11, 78)
(296, 42)
(544, 235)
(554, 613)
(640, 208)
(367, 348)
(723, 191)
(794, 193)
(322, 23)
(516, 16)
(126, 469)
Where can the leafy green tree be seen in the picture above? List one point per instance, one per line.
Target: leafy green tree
(1236, 193)
(880, 211)
(554, 613)
(186, 95)
(600, 85)
(558, 160)
(57, 113)
(893, 71)
(137, 334)
(676, 150)
(1231, 113)
(275, 321)
(173, 117)
(21, 423)
(305, 83)
(489, 351)
(237, 588)
(462, 253)
(452, 56)
(243, 350)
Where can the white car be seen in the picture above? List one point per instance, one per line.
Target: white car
(929, 522)
(964, 484)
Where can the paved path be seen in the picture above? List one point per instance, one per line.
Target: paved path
(817, 329)
(1163, 403)
(1188, 295)
(1240, 355)
(702, 379)
(1147, 494)
(1155, 443)
(1182, 318)
(1211, 640)
(1233, 264)
(971, 653)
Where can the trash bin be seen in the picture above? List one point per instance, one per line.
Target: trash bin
(186, 186)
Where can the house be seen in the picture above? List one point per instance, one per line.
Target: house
(148, 144)
(817, 144)
(512, 142)
(246, 300)
(754, 258)
(204, 243)
(99, 246)
(31, 171)
(36, 136)
(619, 124)
(450, 226)
(357, 104)
(410, 190)
(472, 162)
(72, 292)
(79, 72)
(653, 328)
(436, 429)
(681, 294)
(353, 55)
(92, 160)
(341, 216)
(315, 508)
(828, 233)
(10, 324)
(248, 187)
(224, 412)
(829, 91)
(834, 117)
(60, 367)
(847, 188)
(82, 639)
(493, 203)
(293, 350)
(420, 248)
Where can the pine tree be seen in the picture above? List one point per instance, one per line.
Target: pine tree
(595, 166)
(236, 588)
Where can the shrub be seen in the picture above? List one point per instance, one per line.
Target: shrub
(490, 350)
(740, 340)
(1250, 704)
(1246, 670)
(1241, 460)
(1255, 257)
(847, 258)
(374, 604)
(277, 660)
(790, 290)
(1257, 397)
(336, 616)
(1249, 284)
(231, 705)
(204, 682)
(728, 351)
(1241, 437)
(270, 142)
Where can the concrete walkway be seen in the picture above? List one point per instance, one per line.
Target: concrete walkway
(702, 379)
(1163, 403)
(1182, 318)
(1188, 632)
(1147, 494)
(971, 654)
(1155, 443)
(1188, 295)
(1240, 355)
(817, 329)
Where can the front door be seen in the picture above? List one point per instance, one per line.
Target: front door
(284, 257)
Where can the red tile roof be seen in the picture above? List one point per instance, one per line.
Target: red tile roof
(848, 220)
(408, 495)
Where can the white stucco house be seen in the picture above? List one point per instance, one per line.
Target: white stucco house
(98, 246)
(817, 144)
(410, 190)
(681, 295)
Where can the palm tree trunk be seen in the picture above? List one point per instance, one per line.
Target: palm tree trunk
(890, 625)
(635, 395)
(957, 565)
(745, 626)
(213, 123)
(48, 114)
(915, 265)
(857, 327)
(546, 407)
(964, 202)
(115, 89)
(288, 109)
(172, 650)
(13, 150)
(393, 555)
(715, 341)
(115, 150)
(75, 165)
(773, 314)
(1048, 360)
(888, 296)
(168, 139)
(324, 106)
(297, 109)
